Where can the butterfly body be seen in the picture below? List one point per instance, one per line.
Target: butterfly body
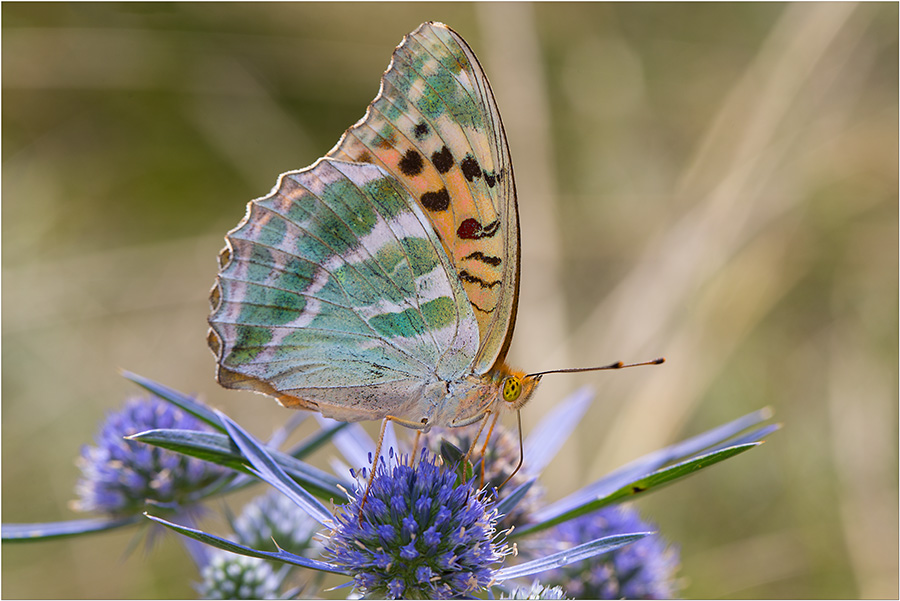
(382, 280)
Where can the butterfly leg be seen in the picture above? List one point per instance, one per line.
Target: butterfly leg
(475, 441)
(384, 424)
(415, 449)
(374, 465)
(484, 446)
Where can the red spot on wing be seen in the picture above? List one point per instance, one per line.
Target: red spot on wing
(470, 229)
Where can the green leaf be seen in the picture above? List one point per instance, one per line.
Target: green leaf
(450, 453)
(653, 480)
(226, 545)
(743, 430)
(266, 468)
(178, 399)
(218, 448)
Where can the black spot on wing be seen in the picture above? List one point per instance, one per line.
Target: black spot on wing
(436, 201)
(421, 130)
(470, 167)
(411, 163)
(442, 160)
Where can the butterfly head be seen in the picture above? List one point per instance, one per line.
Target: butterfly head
(516, 388)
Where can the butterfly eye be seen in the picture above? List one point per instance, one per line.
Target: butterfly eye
(512, 388)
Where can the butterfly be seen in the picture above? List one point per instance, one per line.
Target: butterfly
(381, 282)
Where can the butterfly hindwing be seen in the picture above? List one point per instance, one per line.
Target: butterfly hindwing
(335, 294)
(435, 127)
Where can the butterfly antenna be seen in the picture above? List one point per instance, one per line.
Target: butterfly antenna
(521, 451)
(616, 365)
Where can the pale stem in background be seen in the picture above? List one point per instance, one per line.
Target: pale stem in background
(509, 49)
(748, 194)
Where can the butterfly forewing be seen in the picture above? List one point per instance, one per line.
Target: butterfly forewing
(335, 294)
(435, 127)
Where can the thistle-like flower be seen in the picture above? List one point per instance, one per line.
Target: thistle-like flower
(419, 535)
(273, 519)
(269, 522)
(121, 477)
(501, 456)
(424, 532)
(642, 570)
(230, 576)
(418, 532)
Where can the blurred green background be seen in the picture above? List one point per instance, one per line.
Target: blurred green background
(715, 183)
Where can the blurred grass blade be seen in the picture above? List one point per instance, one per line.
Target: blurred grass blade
(544, 441)
(221, 543)
(267, 469)
(49, 530)
(680, 451)
(352, 441)
(755, 435)
(281, 433)
(508, 503)
(553, 515)
(581, 552)
(219, 448)
(314, 441)
(179, 399)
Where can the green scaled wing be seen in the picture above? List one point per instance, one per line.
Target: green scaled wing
(335, 295)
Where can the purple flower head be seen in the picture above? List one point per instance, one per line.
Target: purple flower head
(420, 536)
(642, 570)
(501, 456)
(122, 477)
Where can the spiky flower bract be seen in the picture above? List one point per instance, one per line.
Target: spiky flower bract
(501, 456)
(536, 591)
(419, 535)
(230, 576)
(642, 570)
(273, 519)
(122, 477)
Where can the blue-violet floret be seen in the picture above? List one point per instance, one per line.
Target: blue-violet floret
(122, 476)
(418, 535)
(642, 570)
